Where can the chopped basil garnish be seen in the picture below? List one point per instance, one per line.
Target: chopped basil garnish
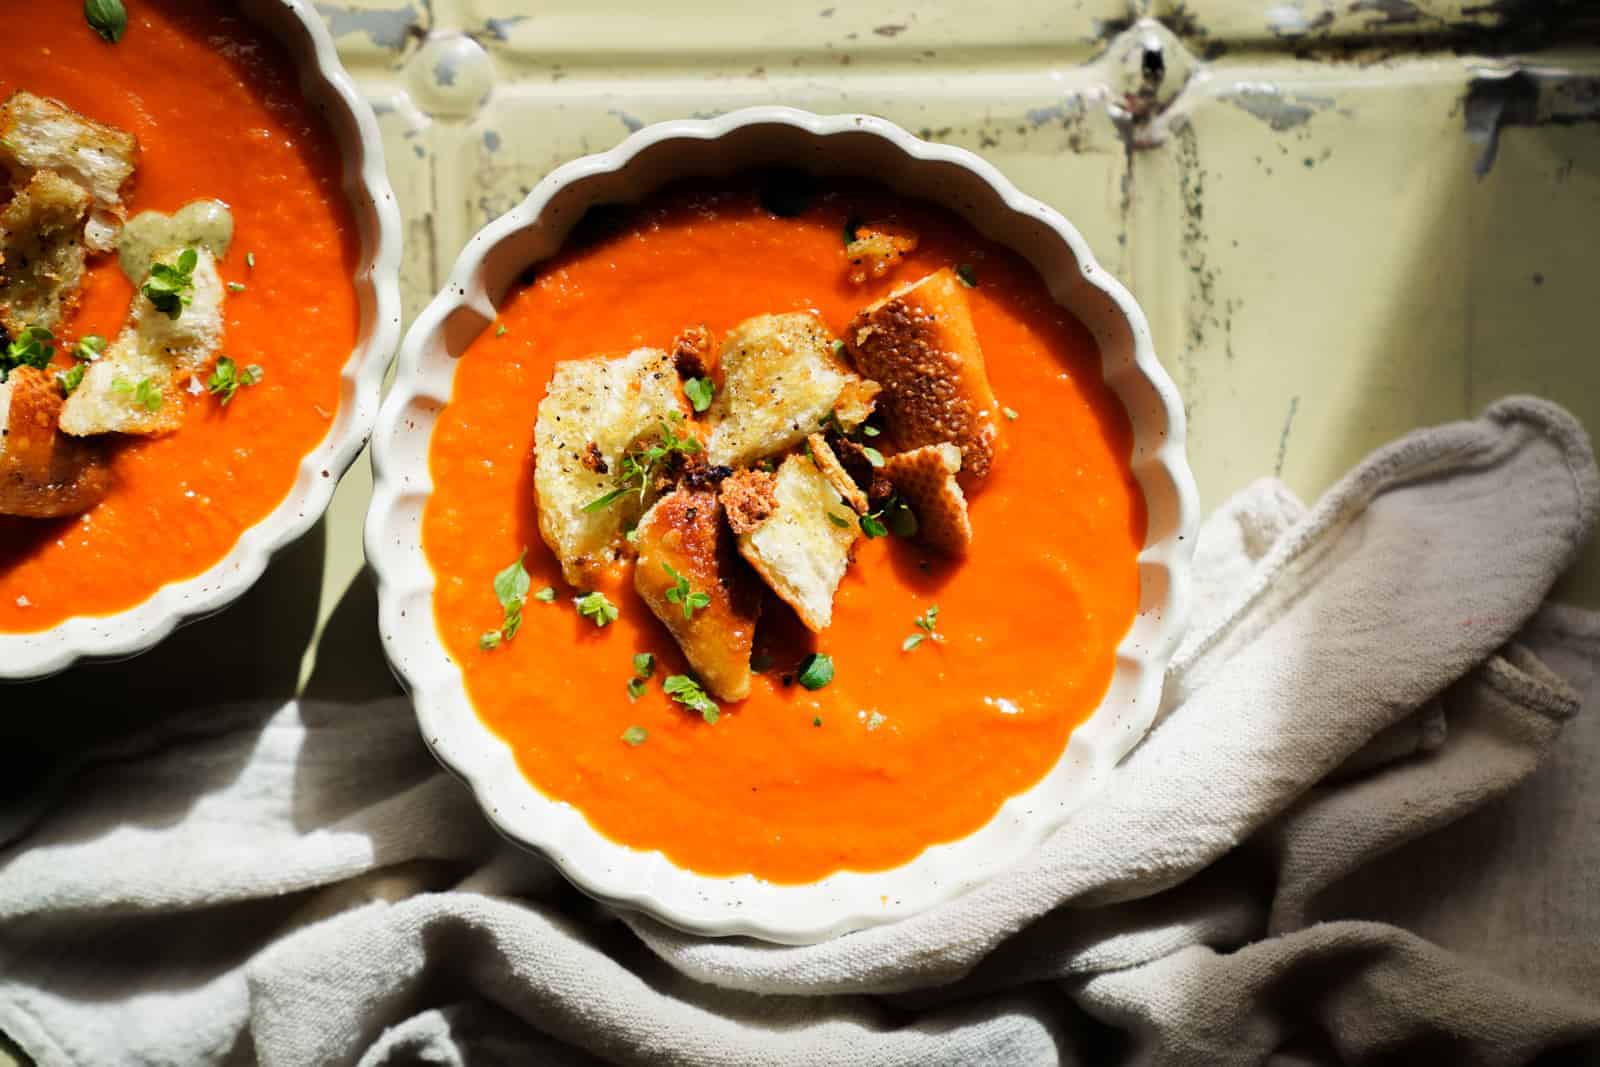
(171, 288)
(144, 392)
(635, 735)
(228, 379)
(700, 391)
(816, 670)
(597, 608)
(511, 589)
(686, 691)
(680, 593)
(108, 18)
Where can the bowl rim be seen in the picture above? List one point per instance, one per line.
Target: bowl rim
(328, 87)
(645, 880)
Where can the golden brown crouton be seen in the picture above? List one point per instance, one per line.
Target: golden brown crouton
(855, 404)
(136, 386)
(834, 471)
(802, 549)
(39, 134)
(692, 578)
(748, 497)
(919, 343)
(780, 378)
(878, 249)
(692, 353)
(926, 479)
(44, 474)
(594, 412)
(41, 242)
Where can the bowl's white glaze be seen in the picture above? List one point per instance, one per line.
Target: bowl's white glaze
(366, 185)
(826, 145)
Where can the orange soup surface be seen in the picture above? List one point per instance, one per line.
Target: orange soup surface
(218, 113)
(904, 749)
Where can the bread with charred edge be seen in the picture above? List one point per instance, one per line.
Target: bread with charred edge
(780, 378)
(684, 530)
(925, 478)
(39, 134)
(828, 463)
(749, 497)
(41, 242)
(153, 347)
(920, 345)
(43, 474)
(593, 412)
(802, 548)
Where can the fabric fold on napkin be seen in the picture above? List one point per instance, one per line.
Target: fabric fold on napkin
(1361, 830)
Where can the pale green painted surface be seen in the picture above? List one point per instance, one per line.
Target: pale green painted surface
(1321, 263)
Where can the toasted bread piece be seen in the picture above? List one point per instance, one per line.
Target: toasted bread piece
(779, 379)
(43, 474)
(926, 479)
(748, 497)
(878, 249)
(41, 242)
(684, 530)
(40, 134)
(919, 343)
(152, 347)
(799, 550)
(856, 403)
(593, 412)
(828, 463)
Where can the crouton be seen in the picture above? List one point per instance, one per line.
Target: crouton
(802, 549)
(779, 379)
(135, 386)
(855, 403)
(919, 343)
(925, 478)
(41, 242)
(828, 463)
(593, 413)
(692, 352)
(684, 531)
(39, 134)
(748, 497)
(876, 249)
(43, 474)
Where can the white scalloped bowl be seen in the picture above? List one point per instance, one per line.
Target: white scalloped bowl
(826, 145)
(328, 88)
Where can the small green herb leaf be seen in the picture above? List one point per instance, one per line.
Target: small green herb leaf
(500, 330)
(816, 720)
(227, 379)
(635, 735)
(250, 260)
(870, 431)
(874, 457)
(928, 621)
(686, 691)
(873, 526)
(680, 593)
(546, 595)
(1009, 413)
(912, 642)
(30, 348)
(700, 391)
(70, 379)
(108, 18)
(902, 520)
(511, 585)
(89, 348)
(597, 608)
(968, 277)
(838, 520)
(644, 665)
(144, 392)
(639, 466)
(489, 640)
(170, 288)
(637, 687)
(816, 670)
(838, 350)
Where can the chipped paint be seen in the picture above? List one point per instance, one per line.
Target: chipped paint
(1524, 98)
(634, 125)
(384, 27)
(1267, 103)
(491, 140)
(1283, 437)
(893, 29)
(500, 29)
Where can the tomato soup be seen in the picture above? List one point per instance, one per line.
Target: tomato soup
(218, 113)
(904, 748)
